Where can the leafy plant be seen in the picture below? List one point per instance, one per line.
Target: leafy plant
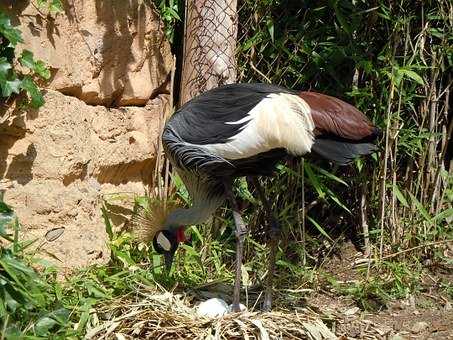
(12, 80)
(23, 291)
(170, 12)
(53, 6)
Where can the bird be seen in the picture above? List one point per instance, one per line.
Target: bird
(246, 129)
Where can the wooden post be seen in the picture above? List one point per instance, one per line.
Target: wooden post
(210, 34)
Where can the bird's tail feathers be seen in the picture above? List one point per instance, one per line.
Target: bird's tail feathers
(342, 152)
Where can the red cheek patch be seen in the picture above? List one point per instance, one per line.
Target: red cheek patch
(180, 235)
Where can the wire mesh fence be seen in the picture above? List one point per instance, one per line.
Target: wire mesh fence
(209, 46)
(262, 55)
(296, 44)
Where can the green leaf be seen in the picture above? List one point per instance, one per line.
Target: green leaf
(85, 315)
(321, 230)
(56, 6)
(94, 291)
(42, 3)
(335, 198)
(344, 22)
(5, 208)
(270, 28)
(443, 215)
(26, 59)
(173, 13)
(108, 224)
(44, 325)
(397, 75)
(61, 315)
(420, 207)
(412, 75)
(5, 66)
(11, 302)
(13, 35)
(41, 69)
(197, 233)
(312, 178)
(331, 176)
(400, 196)
(29, 85)
(7, 216)
(10, 86)
(359, 164)
(436, 32)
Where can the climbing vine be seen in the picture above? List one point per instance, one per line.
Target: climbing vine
(170, 12)
(53, 6)
(20, 73)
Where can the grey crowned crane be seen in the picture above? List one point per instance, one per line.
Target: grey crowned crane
(245, 130)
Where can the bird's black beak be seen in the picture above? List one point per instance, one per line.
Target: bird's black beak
(168, 256)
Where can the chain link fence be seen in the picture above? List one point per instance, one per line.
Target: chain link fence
(209, 46)
(295, 44)
(263, 55)
(246, 40)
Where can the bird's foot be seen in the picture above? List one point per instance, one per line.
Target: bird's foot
(267, 305)
(237, 308)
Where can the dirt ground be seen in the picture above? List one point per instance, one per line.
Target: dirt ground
(400, 320)
(426, 315)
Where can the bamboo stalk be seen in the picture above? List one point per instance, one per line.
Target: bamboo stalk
(384, 170)
(167, 179)
(432, 164)
(363, 218)
(304, 249)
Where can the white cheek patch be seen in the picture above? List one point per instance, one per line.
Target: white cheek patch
(163, 242)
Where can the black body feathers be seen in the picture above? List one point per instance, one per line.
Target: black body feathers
(207, 119)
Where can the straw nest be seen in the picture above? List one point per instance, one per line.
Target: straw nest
(157, 315)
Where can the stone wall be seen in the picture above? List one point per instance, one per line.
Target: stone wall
(97, 131)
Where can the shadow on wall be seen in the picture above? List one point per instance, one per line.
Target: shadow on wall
(12, 131)
(19, 168)
(15, 8)
(125, 48)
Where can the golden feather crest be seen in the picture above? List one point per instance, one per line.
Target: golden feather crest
(149, 217)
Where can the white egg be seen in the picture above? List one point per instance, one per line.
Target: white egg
(212, 308)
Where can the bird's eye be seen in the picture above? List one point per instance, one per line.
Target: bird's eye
(163, 242)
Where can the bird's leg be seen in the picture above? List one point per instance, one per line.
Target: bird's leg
(241, 231)
(274, 237)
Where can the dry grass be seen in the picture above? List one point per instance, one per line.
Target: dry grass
(163, 315)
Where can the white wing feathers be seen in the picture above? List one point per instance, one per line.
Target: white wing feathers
(278, 121)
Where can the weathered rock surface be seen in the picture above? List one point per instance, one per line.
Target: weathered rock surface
(107, 52)
(58, 161)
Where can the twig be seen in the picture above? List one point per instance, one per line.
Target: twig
(304, 259)
(167, 181)
(384, 170)
(259, 72)
(415, 248)
(364, 221)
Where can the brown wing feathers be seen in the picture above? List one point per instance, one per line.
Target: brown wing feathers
(342, 132)
(333, 116)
